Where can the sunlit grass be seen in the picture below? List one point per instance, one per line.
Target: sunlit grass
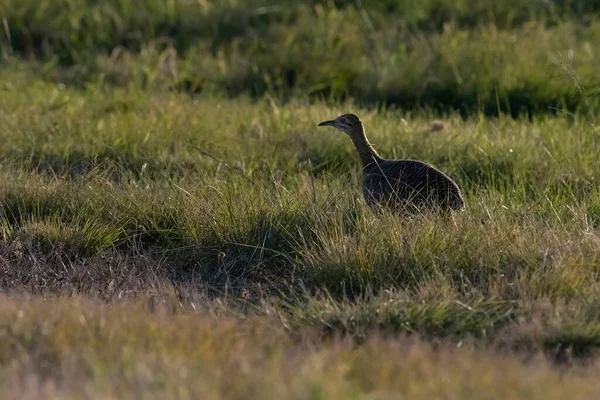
(250, 198)
(512, 57)
(185, 227)
(76, 348)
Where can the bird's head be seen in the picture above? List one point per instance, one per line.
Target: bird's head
(348, 123)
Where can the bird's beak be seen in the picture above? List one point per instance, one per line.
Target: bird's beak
(327, 123)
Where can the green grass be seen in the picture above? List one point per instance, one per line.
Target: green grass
(514, 57)
(173, 223)
(124, 174)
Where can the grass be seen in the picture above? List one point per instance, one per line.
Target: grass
(172, 353)
(174, 224)
(468, 56)
(120, 175)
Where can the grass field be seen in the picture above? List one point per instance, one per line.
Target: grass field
(174, 225)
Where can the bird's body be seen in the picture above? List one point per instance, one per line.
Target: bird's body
(398, 184)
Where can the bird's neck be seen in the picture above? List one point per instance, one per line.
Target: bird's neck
(367, 153)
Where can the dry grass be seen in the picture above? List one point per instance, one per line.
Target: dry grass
(81, 349)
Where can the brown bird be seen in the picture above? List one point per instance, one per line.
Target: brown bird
(398, 183)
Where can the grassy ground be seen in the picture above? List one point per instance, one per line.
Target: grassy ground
(80, 348)
(515, 56)
(174, 224)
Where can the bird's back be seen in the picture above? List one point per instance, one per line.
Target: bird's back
(397, 183)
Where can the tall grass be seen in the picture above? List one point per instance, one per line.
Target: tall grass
(467, 56)
(163, 159)
(121, 191)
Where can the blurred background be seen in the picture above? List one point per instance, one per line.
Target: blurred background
(513, 56)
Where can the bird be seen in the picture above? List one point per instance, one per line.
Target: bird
(398, 184)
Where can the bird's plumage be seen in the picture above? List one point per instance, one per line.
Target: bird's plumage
(398, 184)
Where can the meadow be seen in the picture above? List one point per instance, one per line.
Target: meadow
(174, 225)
